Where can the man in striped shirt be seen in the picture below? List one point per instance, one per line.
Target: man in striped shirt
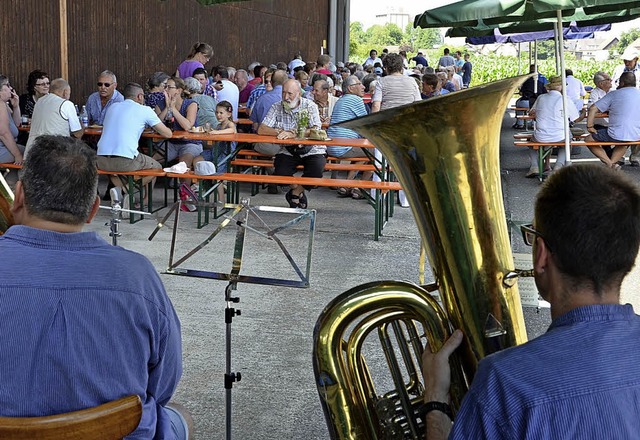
(580, 379)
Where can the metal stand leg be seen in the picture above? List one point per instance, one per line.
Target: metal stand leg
(229, 377)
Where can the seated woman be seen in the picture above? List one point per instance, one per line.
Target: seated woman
(206, 116)
(10, 151)
(180, 113)
(37, 87)
(156, 85)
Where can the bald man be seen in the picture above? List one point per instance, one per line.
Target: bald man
(55, 114)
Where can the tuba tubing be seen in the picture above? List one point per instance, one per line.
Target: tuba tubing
(445, 153)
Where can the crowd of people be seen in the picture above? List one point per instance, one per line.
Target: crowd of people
(129, 334)
(609, 113)
(196, 97)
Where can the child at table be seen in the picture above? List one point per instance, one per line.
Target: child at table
(220, 153)
(224, 115)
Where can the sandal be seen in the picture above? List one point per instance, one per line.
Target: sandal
(356, 194)
(294, 201)
(303, 201)
(344, 192)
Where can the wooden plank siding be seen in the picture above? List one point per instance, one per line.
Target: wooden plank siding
(135, 38)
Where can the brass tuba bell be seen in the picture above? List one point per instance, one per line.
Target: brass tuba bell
(445, 152)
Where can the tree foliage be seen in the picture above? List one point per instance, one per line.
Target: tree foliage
(378, 37)
(628, 37)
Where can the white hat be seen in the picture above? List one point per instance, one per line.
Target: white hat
(205, 168)
(630, 53)
(296, 62)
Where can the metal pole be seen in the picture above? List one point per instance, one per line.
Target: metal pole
(567, 133)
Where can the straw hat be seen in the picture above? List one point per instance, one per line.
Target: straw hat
(555, 82)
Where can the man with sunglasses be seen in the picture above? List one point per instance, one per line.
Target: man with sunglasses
(100, 101)
(581, 378)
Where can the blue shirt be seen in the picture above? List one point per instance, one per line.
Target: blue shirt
(580, 380)
(83, 323)
(347, 107)
(264, 103)
(94, 107)
(123, 126)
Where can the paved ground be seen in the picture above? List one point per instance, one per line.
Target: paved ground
(272, 339)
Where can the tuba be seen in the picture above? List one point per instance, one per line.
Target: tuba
(6, 200)
(445, 153)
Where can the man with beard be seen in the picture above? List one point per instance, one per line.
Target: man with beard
(580, 379)
(282, 121)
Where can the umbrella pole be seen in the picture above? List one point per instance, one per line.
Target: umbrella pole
(567, 137)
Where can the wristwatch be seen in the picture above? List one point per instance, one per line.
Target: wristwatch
(437, 406)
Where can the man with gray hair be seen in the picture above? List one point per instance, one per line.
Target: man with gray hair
(623, 122)
(245, 88)
(75, 335)
(107, 95)
(55, 114)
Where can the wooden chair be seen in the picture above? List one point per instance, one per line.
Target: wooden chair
(110, 421)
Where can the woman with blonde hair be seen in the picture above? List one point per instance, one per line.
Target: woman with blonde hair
(200, 55)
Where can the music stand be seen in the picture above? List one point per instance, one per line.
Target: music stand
(240, 214)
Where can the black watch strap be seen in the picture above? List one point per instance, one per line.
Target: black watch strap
(437, 406)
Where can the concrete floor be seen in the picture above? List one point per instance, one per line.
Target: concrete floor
(272, 339)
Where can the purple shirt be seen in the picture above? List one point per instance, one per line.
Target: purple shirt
(186, 68)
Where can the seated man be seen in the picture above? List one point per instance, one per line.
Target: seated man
(324, 100)
(624, 124)
(100, 101)
(281, 121)
(55, 114)
(579, 380)
(75, 335)
(262, 107)
(123, 125)
(549, 113)
(349, 106)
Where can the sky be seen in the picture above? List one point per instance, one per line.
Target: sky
(364, 11)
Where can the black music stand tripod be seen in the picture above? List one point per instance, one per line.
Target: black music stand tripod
(239, 215)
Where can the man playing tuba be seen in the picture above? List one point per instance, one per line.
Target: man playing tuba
(580, 379)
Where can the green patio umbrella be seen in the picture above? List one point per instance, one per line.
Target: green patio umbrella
(487, 14)
(474, 13)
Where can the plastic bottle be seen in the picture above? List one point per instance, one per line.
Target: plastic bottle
(84, 116)
(77, 111)
(168, 119)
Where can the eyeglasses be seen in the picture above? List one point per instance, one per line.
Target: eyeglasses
(267, 81)
(529, 234)
(43, 84)
(104, 84)
(355, 84)
(171, 87)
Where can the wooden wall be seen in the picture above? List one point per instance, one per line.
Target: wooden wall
(135, 38)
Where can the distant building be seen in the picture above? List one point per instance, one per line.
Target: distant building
(396, 16)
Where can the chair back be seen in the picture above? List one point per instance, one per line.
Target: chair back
(110, 421)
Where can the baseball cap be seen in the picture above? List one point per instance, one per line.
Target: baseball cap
(629, 54)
